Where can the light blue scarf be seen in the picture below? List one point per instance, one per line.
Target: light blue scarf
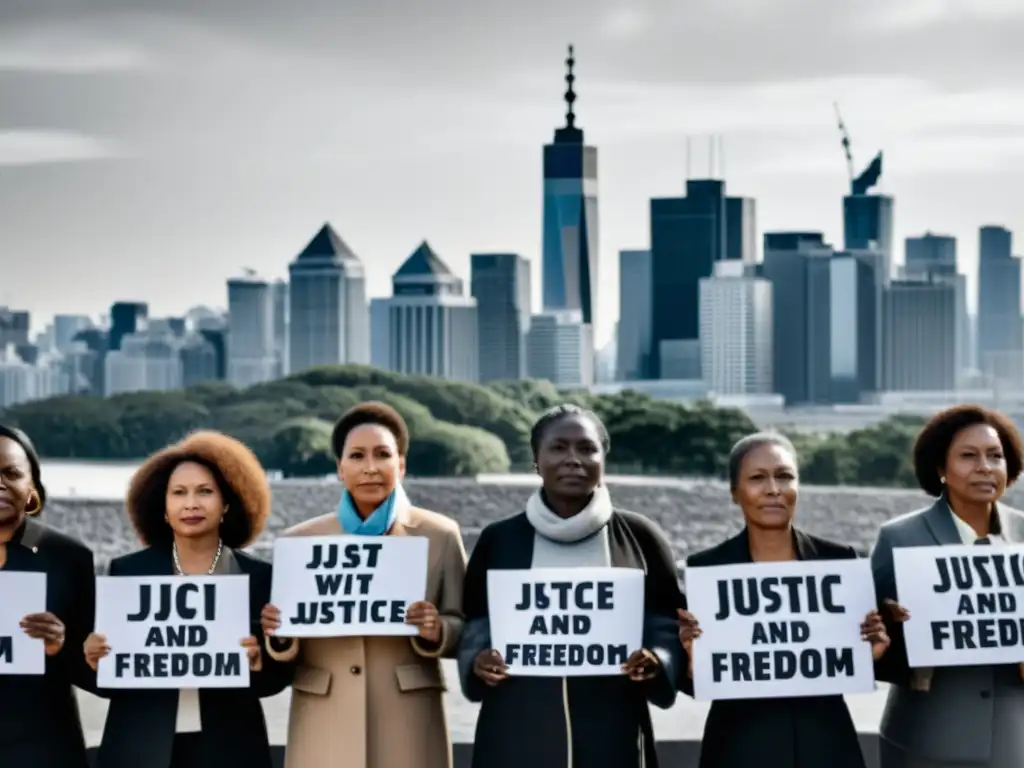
(378, 523)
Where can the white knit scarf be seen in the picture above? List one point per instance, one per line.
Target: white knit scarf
(568, 530)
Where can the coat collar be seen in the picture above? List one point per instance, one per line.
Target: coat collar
(737, 549)
(29, 534)
(939, 520)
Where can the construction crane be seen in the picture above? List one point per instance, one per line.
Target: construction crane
(846, 143)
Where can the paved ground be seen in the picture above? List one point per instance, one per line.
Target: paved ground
(684, 722)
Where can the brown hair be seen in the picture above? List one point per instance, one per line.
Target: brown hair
(938, 434)
(371, 412)
(239, 475)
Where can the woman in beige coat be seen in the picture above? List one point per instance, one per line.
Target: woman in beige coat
(376, 702)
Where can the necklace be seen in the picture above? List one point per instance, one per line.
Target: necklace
(213, 566)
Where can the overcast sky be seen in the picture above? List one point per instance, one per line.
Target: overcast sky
(151, 155)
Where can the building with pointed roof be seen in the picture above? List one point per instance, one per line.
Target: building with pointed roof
(328, 313)
(429, 326)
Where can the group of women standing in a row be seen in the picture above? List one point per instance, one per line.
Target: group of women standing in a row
(376, 702)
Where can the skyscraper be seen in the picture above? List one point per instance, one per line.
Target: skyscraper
(919, 342)
(126, 317)
(570, 247)
(1000, 347)
(251, 348)
(634, 330)
(560, 349)
(933, 257)
(329, 321)
(854, 320)
(500, 284)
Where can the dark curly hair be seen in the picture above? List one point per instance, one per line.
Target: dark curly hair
(35, 465)
(559, 412)
(239, 475)
(932, 445)
(373, 412)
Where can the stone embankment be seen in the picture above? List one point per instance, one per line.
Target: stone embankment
(694, 514)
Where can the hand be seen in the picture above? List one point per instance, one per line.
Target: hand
(252, 647)
(45, 627)
(895, 612)
(490, 667)
(689, 630)
(641, 665)
(872, 630)
(424, 615)
(270, 620)
(95, 648)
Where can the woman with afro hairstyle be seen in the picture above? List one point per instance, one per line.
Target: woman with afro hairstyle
(376, 702)
(39, 722)
(194, 506)
(952, 717)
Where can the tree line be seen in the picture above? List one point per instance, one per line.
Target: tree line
(457, 429)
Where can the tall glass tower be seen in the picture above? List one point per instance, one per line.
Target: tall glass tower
(569, 276)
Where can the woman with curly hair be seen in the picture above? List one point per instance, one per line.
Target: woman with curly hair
(39, 722)
(953, 717)
(376, 702)
(194, 506)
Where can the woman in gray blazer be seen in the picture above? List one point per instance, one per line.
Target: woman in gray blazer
(953, 717)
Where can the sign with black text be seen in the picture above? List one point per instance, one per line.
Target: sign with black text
(348, 586)
(23, 593)
(772, 630)
(566, 622)
(173, 631)
(966, 604)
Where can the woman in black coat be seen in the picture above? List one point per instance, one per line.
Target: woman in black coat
(790, 732)
(195, 505)
(39, 723)
(583, 722)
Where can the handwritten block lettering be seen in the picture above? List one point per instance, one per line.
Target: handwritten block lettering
(173, 631)
(966, 604)
(558, 622)
(331, 586)
(22, 593)
(781, 629)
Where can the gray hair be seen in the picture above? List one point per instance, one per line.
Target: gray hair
(749, 443)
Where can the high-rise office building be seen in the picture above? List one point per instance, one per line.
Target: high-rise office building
(500, 284)
(919, 338)
(329, 321)
(14, 327)
(428, 327)
(147, 360)
(868, 226)
(560, 349)
(797, 264)
(570, 247)
(933, 257)
(252, 357)
(65, 327)
(736, 330)
(741, 229)
(854, 320)
(1000, 347)
(279, 293)
(126, 317)
(634, 328)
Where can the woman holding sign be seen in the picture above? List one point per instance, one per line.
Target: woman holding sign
(792, 732)
(969, 715)
(39, 723)
(376, 702)
(570, 720)
(194, 506)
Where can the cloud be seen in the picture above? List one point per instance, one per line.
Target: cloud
(66, 50)
(35, 147)
(623, 23)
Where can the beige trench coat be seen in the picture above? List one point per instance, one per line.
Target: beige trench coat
(377, 702)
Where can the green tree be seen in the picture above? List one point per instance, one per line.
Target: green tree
(301, 448)
(450, 450)
(151, 420)
(74, 427)
(417, 417)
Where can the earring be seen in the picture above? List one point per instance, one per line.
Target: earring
(942, 480)
(35, 508)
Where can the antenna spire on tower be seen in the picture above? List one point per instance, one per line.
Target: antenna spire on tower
(570, 94)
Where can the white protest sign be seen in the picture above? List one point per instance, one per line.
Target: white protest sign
(348, 586)
(966, 604)
(23, 593)
(173, 631)
(566, 622)
(773, 630)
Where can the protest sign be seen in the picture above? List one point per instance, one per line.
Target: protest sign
(966, 604)
(348, 586)
(781, 629)
(566, 622)
(23, 593)
(173, 631)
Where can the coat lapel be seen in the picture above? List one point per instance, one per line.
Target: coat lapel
(624, 550)
(1011, 522)
(939, 520)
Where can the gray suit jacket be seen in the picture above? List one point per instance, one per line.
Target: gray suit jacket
(943, 714)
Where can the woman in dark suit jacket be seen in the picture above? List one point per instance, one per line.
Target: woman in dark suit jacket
(585, 722)
(39, 723)
(195, 505)
(798, 732)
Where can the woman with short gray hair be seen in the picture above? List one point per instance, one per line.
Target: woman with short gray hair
(811, 731)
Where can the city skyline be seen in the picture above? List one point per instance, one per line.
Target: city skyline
(194, 142)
